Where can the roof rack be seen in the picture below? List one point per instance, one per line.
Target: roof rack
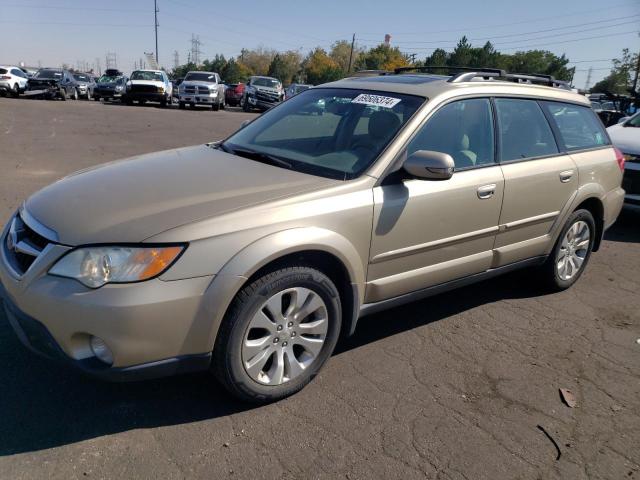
(467, 74)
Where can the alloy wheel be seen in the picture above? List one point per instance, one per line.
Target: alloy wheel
(573, 250)
(285, 336)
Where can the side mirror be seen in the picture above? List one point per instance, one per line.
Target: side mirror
(245, 123)
(429, 165)
(622, 120)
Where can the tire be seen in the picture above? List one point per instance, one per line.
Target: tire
(128, 101)
(245, 105)
(232, 354)
(181, 105)
(163, 103)
(15, 91)
(63, 95)
(75, 94)
(97, 98)
(215, 106)
(555, 276)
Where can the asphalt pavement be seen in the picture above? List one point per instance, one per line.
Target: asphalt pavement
(464, 385)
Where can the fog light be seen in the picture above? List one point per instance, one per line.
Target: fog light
(101, 351)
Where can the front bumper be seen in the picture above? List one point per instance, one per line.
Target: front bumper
(198, 99)
(153, 328)
(262, 104)
(149, 96)
(37, 338)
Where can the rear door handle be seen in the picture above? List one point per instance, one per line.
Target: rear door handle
(486, 191)
(565, 177)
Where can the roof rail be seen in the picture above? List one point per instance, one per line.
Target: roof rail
(467, 74)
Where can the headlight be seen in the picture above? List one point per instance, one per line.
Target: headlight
(118, 88)
(97, 266)
(160, 89)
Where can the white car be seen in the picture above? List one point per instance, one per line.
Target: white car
(626, 137)
(149, 85)
(201, 88)
(12, 80)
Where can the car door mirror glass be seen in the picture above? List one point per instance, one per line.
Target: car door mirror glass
(429, 165)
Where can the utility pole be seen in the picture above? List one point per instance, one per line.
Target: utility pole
(588, 82)
(353, 42)
(176, 59)
(635, 78)
(195, 48)
(155, 14)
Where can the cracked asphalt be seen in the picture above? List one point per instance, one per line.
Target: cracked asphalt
(453, 387)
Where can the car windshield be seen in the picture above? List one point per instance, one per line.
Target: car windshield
(608, 106)
(266, 82)
(200, 77)
(152, 76)
(336, 133)
(47, 73)
(81, 77)
(596, 105)
(107, 79)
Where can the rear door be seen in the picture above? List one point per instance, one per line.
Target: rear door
(428, 232)
(540, 180)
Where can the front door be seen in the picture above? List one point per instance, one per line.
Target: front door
(428, 232)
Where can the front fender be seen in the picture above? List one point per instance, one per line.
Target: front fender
(234, 274)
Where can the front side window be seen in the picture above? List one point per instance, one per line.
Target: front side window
(463, 129)
(337, 133)
(524, 130)
(578, 126)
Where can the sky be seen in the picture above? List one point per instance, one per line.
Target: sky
(53, 32)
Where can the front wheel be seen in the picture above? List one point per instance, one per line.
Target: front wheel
(278, 333)
(75, 94)
(245, 105)
(571, 252)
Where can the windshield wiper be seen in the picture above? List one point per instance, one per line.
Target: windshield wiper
(258, 156)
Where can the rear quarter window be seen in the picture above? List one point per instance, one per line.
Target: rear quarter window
(579, 126)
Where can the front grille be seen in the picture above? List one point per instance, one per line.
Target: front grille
(22, 245)
(193, 90)
(144, 88)
(267, 97)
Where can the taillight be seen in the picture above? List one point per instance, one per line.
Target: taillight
(619, 158)
(5, 77)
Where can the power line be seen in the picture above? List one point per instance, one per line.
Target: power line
(521, 34)
(58, 7)
(474, 28)
(75, 24)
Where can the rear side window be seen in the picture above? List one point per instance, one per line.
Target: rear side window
(578, 126)
(3, 71)
(524, 130)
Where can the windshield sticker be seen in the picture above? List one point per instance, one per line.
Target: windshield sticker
(376, 100)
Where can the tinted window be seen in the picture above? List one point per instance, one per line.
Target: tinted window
(463, 129)
(3, 71)
(524, 130)
(579, 127)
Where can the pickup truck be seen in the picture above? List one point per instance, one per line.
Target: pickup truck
(201, 88)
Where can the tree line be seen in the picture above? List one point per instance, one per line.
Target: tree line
(321, 65)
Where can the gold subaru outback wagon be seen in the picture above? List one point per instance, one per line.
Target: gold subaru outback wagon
(252, 256)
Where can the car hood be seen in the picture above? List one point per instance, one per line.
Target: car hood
(626, 139)
(134, 199)
(193, 83)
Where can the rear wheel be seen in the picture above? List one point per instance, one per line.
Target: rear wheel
(571, 252)
(96, 98)
(245, 104)
(15, 91)
(63, 94)
(181, 105)
(278, 333)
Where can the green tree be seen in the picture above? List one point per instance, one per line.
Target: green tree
(462, 55)
(620, 79)
(341, 52)
(258, 60)
(216, 65)
(319, 68)
(285, 66)
(235, 72)
(382, 57)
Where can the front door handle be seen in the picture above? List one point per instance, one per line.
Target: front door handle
(565, 177)
(486, 191)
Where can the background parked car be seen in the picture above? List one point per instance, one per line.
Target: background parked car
(111, 85)
(262, 93)
(53, 83)
(149, 85)
(202, 88)
(86, 84)
(233, 94)
(12, 80)
(626, 136)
